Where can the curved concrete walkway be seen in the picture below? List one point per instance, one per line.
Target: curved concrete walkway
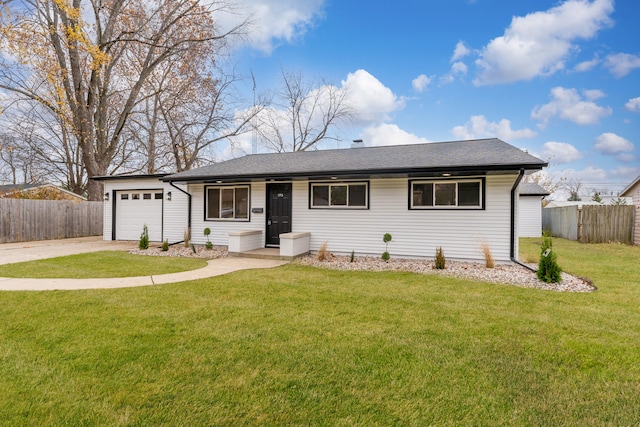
(28, 251)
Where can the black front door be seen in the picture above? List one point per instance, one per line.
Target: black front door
(278, 212)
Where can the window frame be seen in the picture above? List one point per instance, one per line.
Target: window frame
(482, 194)
(336, 183)
(247, 187)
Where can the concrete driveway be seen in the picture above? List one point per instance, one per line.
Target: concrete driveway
(29, 251)
(41, 249)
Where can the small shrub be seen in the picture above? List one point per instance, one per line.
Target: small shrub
(144, 238)
(489, 262)
(353, 256)
(548, 268)
(208, 245)
(323, 252)
(440, 262)
(187, 237)
(165, 245)
(386, 239)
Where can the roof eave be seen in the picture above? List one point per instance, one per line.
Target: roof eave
(117, 177)
(408, 172)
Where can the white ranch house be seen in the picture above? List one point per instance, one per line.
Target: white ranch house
(457, 195)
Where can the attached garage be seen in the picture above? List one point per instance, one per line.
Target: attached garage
(134, 209)
(130, 202)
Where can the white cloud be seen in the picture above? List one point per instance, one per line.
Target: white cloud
(587, 65)
(569, 105)
(625, 172)
(421, 82)
(539, 43)
(559, 152)
(389, 134)
(479, 127)
(588, 174)
(626, 157)
(459, 68)
(274, 21)
(446, 79)
(593, 94)
(370, 100)
(622, 64)
(460, 51)
(610, 143)
(633, 105)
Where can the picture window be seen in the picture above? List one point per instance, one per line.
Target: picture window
(447, 194)
(340, 195)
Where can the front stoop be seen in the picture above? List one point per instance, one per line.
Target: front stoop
(264, 253)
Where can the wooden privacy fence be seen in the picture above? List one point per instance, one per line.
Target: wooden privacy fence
(590, 223)
(23, 220)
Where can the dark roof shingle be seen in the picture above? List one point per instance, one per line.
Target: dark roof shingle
(475, 155)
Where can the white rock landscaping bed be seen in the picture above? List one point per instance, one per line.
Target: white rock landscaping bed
(503, 274)
(180, 250)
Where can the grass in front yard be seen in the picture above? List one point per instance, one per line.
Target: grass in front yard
(305, 346)
(616, 265)
(103, 264)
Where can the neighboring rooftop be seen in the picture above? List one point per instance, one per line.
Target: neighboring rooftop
(474, 156)
(39, 191)
(627, 190)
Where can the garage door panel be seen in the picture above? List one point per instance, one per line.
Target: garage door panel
(134, 209)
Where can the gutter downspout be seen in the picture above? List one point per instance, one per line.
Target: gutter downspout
(189, 204)
(513, 222)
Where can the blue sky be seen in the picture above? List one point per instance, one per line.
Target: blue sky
(560, 79)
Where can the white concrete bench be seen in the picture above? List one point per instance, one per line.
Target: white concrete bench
(294, 244)
(244, 241)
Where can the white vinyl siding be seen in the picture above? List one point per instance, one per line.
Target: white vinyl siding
(530, 216)
(416, 233)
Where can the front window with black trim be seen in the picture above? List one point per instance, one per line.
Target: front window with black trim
(343, 195)
(465, 194)
(227, 203)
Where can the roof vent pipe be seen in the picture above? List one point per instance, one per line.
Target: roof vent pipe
(357, 143)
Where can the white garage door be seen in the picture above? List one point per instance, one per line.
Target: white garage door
(136, 208)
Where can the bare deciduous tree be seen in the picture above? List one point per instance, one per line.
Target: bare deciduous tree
(573, 187)
(302, 115)
(545, 180)
(87, 61)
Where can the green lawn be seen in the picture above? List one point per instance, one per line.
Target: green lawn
(304, 346)
(100, 265)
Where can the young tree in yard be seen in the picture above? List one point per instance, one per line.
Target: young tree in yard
(87, 61)
(302, 114)
(573, 187)
(596, 197)
(619, 201)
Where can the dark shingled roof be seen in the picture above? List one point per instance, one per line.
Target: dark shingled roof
(476, 156)
(532, 189)
(17, 187)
